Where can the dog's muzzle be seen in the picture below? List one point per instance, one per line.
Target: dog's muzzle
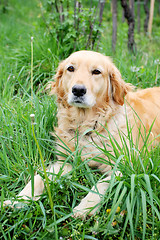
(80, 97)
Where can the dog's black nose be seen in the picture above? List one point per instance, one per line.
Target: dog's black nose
(79, 90)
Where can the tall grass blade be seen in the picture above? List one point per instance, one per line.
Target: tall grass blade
(143, 195)
(132, 186)
(149, 190)
(44, 170)
(44, 214)
(129, 213)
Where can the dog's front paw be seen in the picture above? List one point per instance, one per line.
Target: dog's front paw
(10, 203)
(7, 203)
(86, 207)
(79, 213)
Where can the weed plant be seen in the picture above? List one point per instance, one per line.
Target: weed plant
(130, 207)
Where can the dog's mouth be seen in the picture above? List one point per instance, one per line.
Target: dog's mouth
(81, 102)
(78, 102)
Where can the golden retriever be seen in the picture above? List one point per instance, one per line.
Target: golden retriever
(92, 96)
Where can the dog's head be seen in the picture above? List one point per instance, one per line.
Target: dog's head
(87, 78)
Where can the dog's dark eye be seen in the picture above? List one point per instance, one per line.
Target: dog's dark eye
(96, 72)
(70, 69)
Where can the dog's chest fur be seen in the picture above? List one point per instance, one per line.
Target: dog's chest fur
(91, 126)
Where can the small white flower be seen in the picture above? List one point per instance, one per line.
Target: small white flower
(157, 61)
(32, 116)
(32, 38)
(135, 69)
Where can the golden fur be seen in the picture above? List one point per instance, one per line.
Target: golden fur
(90, 94)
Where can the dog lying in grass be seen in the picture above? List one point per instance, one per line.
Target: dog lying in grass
(94, 102)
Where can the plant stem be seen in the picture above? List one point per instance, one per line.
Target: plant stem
(44, 169)
(32, 122)
(31, 70)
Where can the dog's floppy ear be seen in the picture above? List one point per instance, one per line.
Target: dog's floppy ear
(51, 88)
(119, 87)
(56, 87)
(59, 90)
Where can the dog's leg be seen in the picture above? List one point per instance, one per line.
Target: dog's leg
(89, 204)
(59, 167)
(26, 193)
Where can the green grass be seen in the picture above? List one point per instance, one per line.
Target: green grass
(136, 194)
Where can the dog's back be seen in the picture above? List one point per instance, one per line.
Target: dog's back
(146, 104)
